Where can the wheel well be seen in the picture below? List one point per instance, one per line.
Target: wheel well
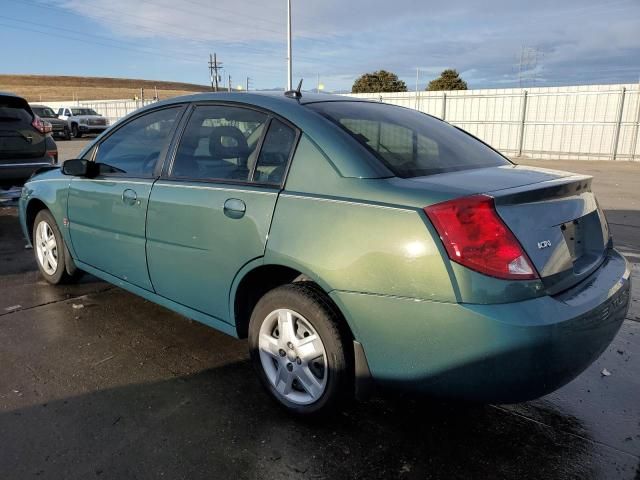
(258, 282)
(33, 207)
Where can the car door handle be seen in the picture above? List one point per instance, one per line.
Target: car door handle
(234, 208)
(130, 197)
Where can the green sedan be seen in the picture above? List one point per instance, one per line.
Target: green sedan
(354, 243)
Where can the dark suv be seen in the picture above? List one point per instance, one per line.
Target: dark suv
(25, 141)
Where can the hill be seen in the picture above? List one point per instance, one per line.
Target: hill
(37, 88)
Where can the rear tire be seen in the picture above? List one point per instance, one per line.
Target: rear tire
(301, 350)
(52, 256)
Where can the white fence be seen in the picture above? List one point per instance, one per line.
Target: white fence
(114, 110)
(599, 122)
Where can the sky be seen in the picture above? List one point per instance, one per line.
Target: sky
(493, 43)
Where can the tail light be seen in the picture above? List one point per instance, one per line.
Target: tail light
(40, 125)
(475, 236)
(53, 154)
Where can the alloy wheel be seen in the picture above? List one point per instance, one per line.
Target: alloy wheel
(293, 357)
(46, 248)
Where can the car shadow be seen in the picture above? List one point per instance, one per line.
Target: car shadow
(219, 423)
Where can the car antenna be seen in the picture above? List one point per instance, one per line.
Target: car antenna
(297, 93)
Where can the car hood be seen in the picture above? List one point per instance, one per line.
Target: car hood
(54, 120)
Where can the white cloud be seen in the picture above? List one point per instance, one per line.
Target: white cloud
(340, 39)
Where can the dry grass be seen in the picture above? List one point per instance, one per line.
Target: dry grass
(37, 88)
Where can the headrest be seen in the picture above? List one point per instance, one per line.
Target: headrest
(228, 142)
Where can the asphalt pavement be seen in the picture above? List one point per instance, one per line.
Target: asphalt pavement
(96, 382)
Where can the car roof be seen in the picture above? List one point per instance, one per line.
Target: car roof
(274, 97)
(9, 94)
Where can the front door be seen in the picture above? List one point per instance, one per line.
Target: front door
(210, 215)
(107, 214)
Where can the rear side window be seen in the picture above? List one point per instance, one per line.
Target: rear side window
(274, 154)
(407, 142)
(220, 142)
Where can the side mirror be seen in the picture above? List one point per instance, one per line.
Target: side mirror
(79, 168)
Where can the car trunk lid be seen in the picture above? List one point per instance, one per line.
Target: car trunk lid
(559, 225)
(19, 140)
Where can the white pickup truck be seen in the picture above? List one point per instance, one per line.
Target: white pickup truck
(83, 120)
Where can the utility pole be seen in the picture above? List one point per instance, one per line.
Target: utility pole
(289, 59)
(248, 82)
(229, 82)
(214, 66)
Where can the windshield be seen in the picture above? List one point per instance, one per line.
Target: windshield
(407, 142)
(83, 111)
(43, 112)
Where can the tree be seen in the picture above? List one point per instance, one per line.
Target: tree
(449, 80)
(378, 82)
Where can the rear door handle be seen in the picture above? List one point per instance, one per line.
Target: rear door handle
(130, 197)
(234, 208)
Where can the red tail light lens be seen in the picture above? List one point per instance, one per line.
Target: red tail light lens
(475, 236)
(40, 125)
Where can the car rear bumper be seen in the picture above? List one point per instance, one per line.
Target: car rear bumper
(490, 353)
(15, 172)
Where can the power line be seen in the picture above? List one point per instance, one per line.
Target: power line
(173, 28)
(80, 37)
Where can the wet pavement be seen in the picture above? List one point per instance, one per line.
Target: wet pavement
(98, 383)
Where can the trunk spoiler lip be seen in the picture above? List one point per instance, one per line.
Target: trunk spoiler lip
(542, 191)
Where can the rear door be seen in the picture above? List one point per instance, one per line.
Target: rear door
(20, 142)
(210, 214)
(107, 214)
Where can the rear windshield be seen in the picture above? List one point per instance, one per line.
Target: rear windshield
(14, 109)
(409, 143)
(83, 111)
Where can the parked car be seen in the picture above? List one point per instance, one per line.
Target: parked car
(351, 241)
(60, 127)
(82, 120)
(25, 143)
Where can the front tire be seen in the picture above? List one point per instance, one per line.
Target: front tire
(67, 133)
(301, 349)
(75, 131)
(51, 253)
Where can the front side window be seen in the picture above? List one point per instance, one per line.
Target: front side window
(220, 142)
(83, 111)
(407, 142)
(135, 148)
